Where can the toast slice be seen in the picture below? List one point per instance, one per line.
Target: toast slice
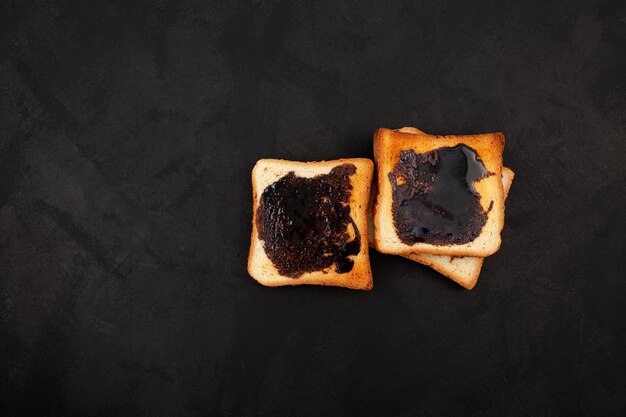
(462, 270)
(309, 223)
(389, 145)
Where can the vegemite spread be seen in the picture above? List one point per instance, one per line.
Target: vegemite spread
(434, 199)
(304, 222)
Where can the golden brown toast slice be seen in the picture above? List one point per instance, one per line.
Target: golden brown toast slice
(388, 146)
(463, 270)
(278, 261)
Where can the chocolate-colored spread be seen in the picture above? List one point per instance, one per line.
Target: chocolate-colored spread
(304, 222)
(434, 199)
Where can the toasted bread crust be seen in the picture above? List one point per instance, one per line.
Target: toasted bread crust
(387, 147)
(260, 267)
(464, 270)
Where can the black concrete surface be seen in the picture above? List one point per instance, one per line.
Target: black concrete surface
(128, 131)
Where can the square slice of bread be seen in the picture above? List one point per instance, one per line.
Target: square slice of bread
(463, 270)
(267, 172)
(388, 144)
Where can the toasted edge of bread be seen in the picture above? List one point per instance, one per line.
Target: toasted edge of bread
(466, 269)
(387, 147)
(261, 268)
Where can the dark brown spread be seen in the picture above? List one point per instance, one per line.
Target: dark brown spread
(434, 199)
(303, 222)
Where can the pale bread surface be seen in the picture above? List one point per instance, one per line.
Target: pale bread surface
(387, 147)
(261, 268)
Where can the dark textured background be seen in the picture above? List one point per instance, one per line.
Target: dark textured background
(128, 133)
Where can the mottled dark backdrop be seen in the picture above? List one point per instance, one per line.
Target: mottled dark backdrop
(128, 131)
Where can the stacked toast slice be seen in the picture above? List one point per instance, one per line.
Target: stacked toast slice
(459, 257)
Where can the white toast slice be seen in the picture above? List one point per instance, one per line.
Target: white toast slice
(389, 145)
(269, 175)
